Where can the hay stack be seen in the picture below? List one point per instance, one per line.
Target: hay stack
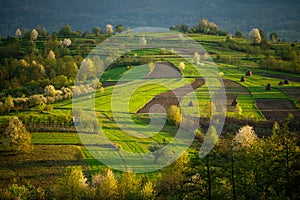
(191, 104)
(286, 82)
(234, 102)
(249, 72)
(243, 79)
(268, 87)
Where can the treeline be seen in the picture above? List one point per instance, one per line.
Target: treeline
(34, 59)
(204, 26)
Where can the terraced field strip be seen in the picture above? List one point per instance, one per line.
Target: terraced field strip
(169, 98)
(42, 166)
(292, 92)
(256, 84)
(277, 109)
(248, 105)
(55, 138)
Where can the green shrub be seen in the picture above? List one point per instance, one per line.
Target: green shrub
(174, 115)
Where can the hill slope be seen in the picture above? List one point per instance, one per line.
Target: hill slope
(280, 16)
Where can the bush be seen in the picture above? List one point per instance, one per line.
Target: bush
(209, 109)
(174, 115)
(238, 111)
(199, 135)
(35, 100)
(16, 191)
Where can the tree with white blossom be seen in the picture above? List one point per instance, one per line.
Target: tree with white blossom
(143, 41)
(18, 32)
(245, 137)
(109, 29)
(255, 36)
(51, 55)
(196, 58)
(181, 66)
(67, 42)
(34, 34)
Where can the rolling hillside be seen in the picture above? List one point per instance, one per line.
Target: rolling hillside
(278, 16)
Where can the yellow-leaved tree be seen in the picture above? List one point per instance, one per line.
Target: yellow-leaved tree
(16, 138)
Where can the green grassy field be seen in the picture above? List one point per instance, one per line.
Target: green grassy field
(42, 166)
(56, 150)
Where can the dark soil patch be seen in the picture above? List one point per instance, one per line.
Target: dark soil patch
(233, 90)
(169, 98)
(164, 70)
(283, 77)
(112, 83)
(41, 167)
(293, 93)
(277, 109)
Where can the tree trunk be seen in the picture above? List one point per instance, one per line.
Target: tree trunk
(208, 176)
(232, 176)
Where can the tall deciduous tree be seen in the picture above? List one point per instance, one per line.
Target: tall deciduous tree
(119, 28)
(148, 191)
(97, 30)
(15, 137)
(245, 137)
(18, 32)
(238, 34)
(273, 36)
(51, 55)
(172, 178)
(263, 37)
(174, 115)
(67, 42)
(255, 36)
(8, 104)
(105, 185)
(34, 34)
(196, 58)
(129, 186)
(143, 41)
(72, 184)
(50, 91)
(66, 30)
(181, 66)
(109, 29)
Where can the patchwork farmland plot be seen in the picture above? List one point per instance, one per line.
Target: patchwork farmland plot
(130, 97)
(277, 109)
